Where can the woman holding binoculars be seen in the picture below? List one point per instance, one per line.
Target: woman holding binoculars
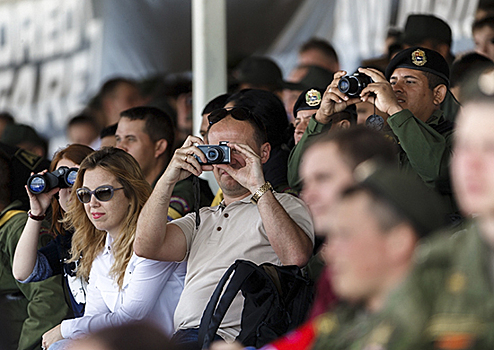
(107, 197)
(31, 264)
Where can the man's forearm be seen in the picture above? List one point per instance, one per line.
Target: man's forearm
(151, 226)
(288, 240)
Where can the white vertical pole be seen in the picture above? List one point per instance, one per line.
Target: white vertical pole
(208, 60)
(208, 54)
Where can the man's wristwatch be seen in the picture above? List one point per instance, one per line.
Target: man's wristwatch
(263, 189)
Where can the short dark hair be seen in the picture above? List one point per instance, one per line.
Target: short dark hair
(462, 67)
(110, 86)
(349, 113)
(386, 214)
(83, 118)
(483, 22)
(269, 108)
(260, 135)
(216, 103)
(158, 124)
(322, 45)
(110, 130)
(360, 143)
(7, 117)
(434, 80)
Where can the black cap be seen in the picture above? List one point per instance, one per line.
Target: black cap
(308, 99)
(15, 134)
(419, 28)
(316, 77)
(408, 194)
(420, 58)
(259, 71)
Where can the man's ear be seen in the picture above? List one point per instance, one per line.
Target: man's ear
(265, 152)
(401, 242)
(160, 147)
(343, 124)
(439, 94)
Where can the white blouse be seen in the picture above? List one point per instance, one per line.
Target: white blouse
(151, 291)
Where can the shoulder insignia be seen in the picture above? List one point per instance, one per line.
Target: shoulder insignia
(455, 328)
(456, 282)
(444, 126)
(184, 205)
(30, 160)
(378, 337)
(327, 323)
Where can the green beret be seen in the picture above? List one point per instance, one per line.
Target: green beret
(420, 27)
(418, 203)
(419, 58)
(308, 99)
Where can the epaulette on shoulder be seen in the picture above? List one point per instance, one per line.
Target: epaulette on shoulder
(438, 249)
(444, 126)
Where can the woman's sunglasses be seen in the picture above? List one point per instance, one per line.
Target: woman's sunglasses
(102, 193)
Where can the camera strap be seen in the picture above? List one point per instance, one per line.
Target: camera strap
(197, 198)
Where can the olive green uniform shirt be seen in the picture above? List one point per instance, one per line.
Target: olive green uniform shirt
(425, 149)
(182, 199)
(28, 310)
(314, 128)
(448, 301)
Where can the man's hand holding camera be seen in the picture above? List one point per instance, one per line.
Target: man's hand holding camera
(184, 161)
(246, 167)
(380, 92)
(333, 100)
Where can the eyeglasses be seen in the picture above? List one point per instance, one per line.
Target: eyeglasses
(102, 193)
(238, 113)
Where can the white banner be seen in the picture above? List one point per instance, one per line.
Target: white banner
(50, 54)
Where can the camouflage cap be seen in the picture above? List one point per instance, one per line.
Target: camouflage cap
(419, 58)
(422, 206)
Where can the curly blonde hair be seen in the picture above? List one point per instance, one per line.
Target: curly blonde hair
(87, 241)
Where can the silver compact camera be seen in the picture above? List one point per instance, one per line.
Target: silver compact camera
(215, 154)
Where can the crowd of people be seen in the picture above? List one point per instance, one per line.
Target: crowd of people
(378, 184)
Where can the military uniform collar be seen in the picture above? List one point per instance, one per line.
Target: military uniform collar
(435, 118)
(17, 204)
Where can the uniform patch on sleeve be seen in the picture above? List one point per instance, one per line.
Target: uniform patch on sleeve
(180, 204)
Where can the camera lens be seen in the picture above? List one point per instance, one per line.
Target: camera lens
(349, 85)
(212, 154)
(37, 184)
(343, 85)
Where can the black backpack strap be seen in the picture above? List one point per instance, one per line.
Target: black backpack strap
(214, 312)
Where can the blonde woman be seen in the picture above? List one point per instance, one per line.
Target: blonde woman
(110, 193)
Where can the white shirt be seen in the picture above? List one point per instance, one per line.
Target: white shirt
(151, 290)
